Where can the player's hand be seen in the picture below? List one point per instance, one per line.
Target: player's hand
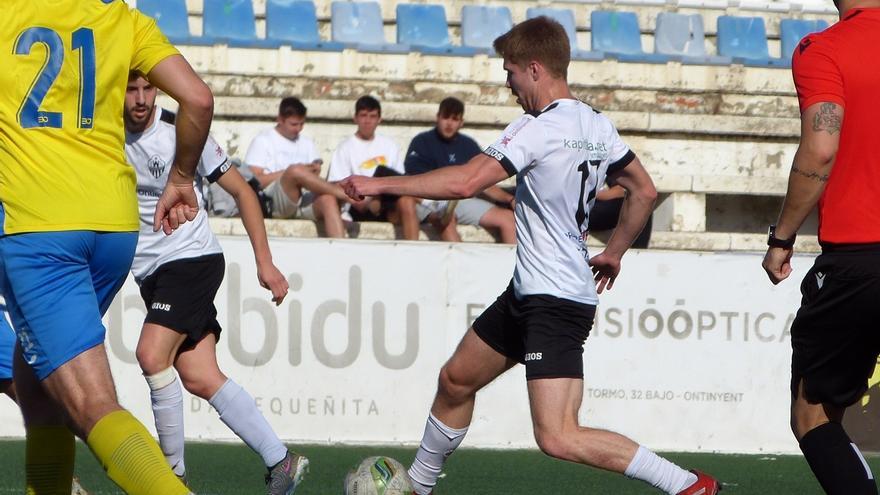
(605, 269)
(777, 263)
(358, 187)
(177, 205)
(270, 278)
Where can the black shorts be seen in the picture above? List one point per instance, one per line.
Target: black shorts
(835, 337)
(545, 333)
(387, 204)
(180, 295)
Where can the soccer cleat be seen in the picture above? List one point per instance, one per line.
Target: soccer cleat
(76, 488)
(285, 476)
(705, 485)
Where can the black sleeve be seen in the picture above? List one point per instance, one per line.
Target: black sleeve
(621, 163)
(418, 159)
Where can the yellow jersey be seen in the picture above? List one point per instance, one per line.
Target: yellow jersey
(64, 68)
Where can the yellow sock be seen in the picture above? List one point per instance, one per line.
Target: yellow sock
(49, 457)
(131, 457)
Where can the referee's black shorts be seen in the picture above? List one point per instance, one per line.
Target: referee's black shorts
(180, 295)
(545, 333)
(835, 337)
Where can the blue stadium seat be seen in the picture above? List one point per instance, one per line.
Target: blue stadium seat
(424, 27)
(618, 34)
(566, 18)
(359, 25)
(793, 30)
(171, 17)
(745, 40)
(294, 23)
(232, 22)
(683, 37)
(480, 25)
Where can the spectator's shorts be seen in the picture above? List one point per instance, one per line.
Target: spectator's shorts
(180, 295)
(57, 287)
(545, 333)
(470, 211)
(835, 337)
(283, 207)
(7, 347)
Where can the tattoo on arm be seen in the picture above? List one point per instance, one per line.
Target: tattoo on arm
(827, 119)
(810, 175)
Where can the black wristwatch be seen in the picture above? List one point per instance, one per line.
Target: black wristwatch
(776, 242)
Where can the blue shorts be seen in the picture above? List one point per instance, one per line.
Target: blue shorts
(57, 287)
(7, 347)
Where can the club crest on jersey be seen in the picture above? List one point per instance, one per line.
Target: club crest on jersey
(156, 165)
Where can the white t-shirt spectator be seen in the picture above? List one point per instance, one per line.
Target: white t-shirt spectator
(355, 156)
(274, 152)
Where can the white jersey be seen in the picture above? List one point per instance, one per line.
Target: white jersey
(356, 156)
(560, 158)
(151, 153)
(274, 152)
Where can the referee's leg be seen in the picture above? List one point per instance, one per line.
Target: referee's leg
(835, 460)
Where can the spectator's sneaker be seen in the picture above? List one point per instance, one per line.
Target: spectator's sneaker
(705, 485)
(76, 488)
(285, 476)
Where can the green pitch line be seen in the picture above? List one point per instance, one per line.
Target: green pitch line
(220, 469)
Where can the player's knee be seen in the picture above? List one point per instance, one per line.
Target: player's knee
(453, 387)
(151, 361)
(553, 443)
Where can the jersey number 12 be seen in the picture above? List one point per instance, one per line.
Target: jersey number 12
(83, 39)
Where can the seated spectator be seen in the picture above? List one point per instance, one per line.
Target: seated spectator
(368, 153)
(288, 168)
(606, 212)
(444, 145)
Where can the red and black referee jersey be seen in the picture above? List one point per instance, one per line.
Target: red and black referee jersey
(837, 66)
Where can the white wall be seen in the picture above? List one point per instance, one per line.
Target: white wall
(714, 378)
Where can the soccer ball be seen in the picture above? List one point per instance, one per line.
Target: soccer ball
(378, 476)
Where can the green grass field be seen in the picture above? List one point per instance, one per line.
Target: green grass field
(233, 469)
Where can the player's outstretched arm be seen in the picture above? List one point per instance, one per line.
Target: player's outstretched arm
(637, 207)
(464, 181)
(813, 161)
(175, 77)
(252, 217)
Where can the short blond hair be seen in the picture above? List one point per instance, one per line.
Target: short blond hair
(540, 39)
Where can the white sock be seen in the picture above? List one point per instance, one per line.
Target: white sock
(438, 443)
(239, 412)
(658, 472)
(167, 401)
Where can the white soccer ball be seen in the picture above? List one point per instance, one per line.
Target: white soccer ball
(378, 476)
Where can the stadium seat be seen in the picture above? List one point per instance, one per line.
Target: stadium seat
(682, 37)
(618, 34)
(566, 18)
(480, 25)
(793, 30)
(294, 23)
(232, 22)
(424, 27)
(745, 40)
(171, 17)
(359, 25)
